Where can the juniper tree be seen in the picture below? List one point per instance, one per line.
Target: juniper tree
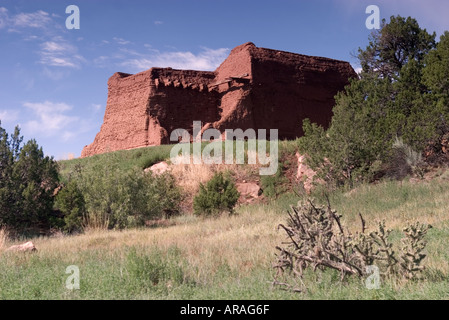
(401, 93)
(28, 179)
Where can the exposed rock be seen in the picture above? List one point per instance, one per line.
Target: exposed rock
(248, 191)
(253, 88)
(158, 168)
(305, 174)
(26, 247)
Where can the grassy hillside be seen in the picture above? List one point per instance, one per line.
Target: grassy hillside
(228, 257)
(126, 159)
(145, 157)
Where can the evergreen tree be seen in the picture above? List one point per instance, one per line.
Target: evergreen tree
(6, 161)
(27, 181)
(394, 45)
(402, 93)
(435, 74)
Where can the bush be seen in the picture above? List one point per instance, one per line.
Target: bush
(219, 194)
(162, 196)
(70, 202)
(404, 161)
(119, 198)
(275, 185)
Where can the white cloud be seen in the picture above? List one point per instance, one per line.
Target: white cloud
(430, 14)
(47, 106)
(121, 41)
(31, 38)
(126, 51)
(60, 53)
(82, 126)
(206, 59)
(38, 19)
(51, 46)
(3, 17)
(135, 61)
(9, 116)
(101, 61)
(50, 118)
(357, 68)
(54, 120)
(67, 135)
(96, 107)
(157, 22)
(55, 74)
(53, 50)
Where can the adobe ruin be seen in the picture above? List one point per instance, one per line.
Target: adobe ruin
(254, 88)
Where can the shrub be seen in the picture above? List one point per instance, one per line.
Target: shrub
(119, 198)
(218, 195)
(275, 185)
(404, 161)
(70, 202)
(162, 196)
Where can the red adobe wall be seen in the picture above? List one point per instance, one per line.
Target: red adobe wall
(124, 124)
(179, 98)
(253, 88)
(288, 88)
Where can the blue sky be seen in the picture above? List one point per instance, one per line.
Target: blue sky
(53, 80)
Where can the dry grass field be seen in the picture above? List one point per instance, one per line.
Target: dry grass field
(229, 257)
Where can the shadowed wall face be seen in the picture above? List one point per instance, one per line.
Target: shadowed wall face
(178, 98)
(253, 88)
(288, 88)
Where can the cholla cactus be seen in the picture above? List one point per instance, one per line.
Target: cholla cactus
(385, 255)
(365, 247)
(317, 240)
(413, 246)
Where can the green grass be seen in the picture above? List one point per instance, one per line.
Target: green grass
(143, 158)
(229, 257)
(125, 159)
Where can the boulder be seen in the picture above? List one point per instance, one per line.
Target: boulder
(158, 168)
(305, 174)
(249, 191)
